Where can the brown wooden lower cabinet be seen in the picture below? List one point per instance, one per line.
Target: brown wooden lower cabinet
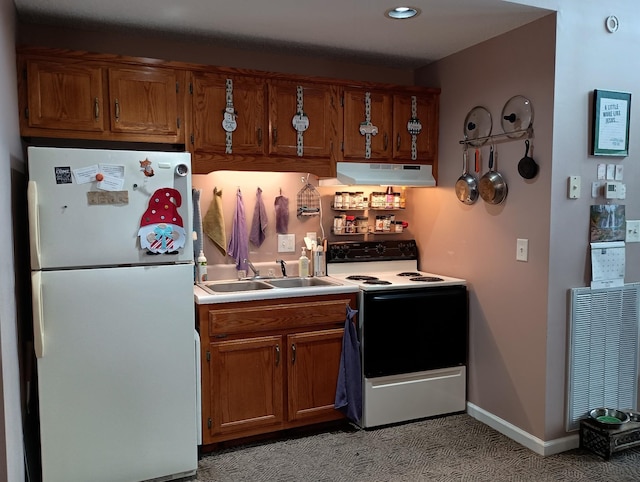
(270, 366)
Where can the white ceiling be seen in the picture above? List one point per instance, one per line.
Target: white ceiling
(356, 29)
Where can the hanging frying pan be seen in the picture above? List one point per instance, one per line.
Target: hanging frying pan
(466, 185)
(527, 167)
(492, 186)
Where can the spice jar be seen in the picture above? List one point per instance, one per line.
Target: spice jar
(346, 200)
(350, 224)
(362, 224)
(337, 200)
(379, 223)
(338, 224)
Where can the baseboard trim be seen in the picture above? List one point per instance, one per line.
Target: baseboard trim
(538, 446)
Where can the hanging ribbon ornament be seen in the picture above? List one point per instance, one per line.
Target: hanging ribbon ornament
(367, 129)
(229, 115)
(414, 127)
(300, 121)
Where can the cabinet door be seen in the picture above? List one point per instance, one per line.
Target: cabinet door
(64, 95)
(246, 389)
(314, 361)
(426, 112)
(144, 100)
(319, 110)
(380, 118)
(209, 104)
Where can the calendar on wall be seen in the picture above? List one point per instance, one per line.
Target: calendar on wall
(607, 264)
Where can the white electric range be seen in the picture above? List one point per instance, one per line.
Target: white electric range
(412, 328)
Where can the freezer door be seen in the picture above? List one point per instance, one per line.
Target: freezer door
(116, 377)
(94, 207)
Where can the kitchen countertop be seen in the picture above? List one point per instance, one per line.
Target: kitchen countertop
(203, 297)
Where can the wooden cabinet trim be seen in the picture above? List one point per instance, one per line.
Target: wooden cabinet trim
(277, 317)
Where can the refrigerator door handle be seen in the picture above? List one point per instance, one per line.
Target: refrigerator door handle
(38, 328)
(34, 224)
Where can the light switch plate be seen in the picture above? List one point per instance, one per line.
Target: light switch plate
(522, 250)
(574, 187)
(286, 243)
(632, 232)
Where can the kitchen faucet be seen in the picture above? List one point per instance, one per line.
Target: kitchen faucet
(283, 267)
(256, 272)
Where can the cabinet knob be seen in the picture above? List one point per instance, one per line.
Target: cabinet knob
(385, 141)
(277, 355)
(259, 136)
(293, 353)
(117, 110)
(398, 142)
(96, 108)
(275, 135)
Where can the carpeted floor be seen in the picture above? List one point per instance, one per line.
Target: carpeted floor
(452, 448)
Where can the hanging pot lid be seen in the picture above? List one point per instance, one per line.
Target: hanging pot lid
(477, 125)
(517, 116)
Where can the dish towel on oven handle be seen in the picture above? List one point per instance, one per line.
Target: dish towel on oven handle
(349, 388)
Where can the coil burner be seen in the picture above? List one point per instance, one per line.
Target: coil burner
(427, 279)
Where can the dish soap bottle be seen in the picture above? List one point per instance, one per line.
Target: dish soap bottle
(303, 264)
(202, 267)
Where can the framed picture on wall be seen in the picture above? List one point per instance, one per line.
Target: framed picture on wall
(611, 116)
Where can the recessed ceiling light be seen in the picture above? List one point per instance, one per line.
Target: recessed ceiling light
(402, 12)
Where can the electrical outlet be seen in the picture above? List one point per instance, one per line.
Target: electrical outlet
(286, 243)
(522, 249)
(632, 232)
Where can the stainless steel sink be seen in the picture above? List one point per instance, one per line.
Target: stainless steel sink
(214, 287)
(299, 282)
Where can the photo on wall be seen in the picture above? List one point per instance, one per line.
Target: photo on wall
(607, 222)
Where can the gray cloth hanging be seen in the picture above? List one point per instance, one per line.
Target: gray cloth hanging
(349, 388)
(282, 214)
(259, 222)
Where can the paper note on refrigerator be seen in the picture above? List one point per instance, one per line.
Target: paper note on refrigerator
(607, 264)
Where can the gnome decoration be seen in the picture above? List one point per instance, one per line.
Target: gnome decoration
(161, 229)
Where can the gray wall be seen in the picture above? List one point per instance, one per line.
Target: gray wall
(478, 242)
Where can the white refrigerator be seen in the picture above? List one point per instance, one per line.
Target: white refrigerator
(112, 281)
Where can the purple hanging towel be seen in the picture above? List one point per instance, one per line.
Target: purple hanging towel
(259, 223)
(349, 388)
(239, 241)
(282, 214)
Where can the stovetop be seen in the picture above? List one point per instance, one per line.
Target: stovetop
(382, 265)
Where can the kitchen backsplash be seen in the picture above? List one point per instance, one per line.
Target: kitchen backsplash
(276, 188)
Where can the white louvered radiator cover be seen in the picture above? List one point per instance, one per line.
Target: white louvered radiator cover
(603, 350)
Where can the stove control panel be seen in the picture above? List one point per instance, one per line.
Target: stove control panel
(354, 251)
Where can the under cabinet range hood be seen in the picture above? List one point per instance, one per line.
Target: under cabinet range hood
(361, 173)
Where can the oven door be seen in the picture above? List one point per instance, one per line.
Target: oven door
(412, 330)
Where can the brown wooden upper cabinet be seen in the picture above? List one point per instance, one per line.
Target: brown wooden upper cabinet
(415, 127)
(402, 126)
(229, 124)
(367, 125)
(77, 97)
(303, 119)
(144, 101)
(245, 122)
(61, 95)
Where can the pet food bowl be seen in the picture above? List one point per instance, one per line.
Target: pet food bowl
(609, 417)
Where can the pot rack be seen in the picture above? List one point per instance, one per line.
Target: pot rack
(500, 138)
